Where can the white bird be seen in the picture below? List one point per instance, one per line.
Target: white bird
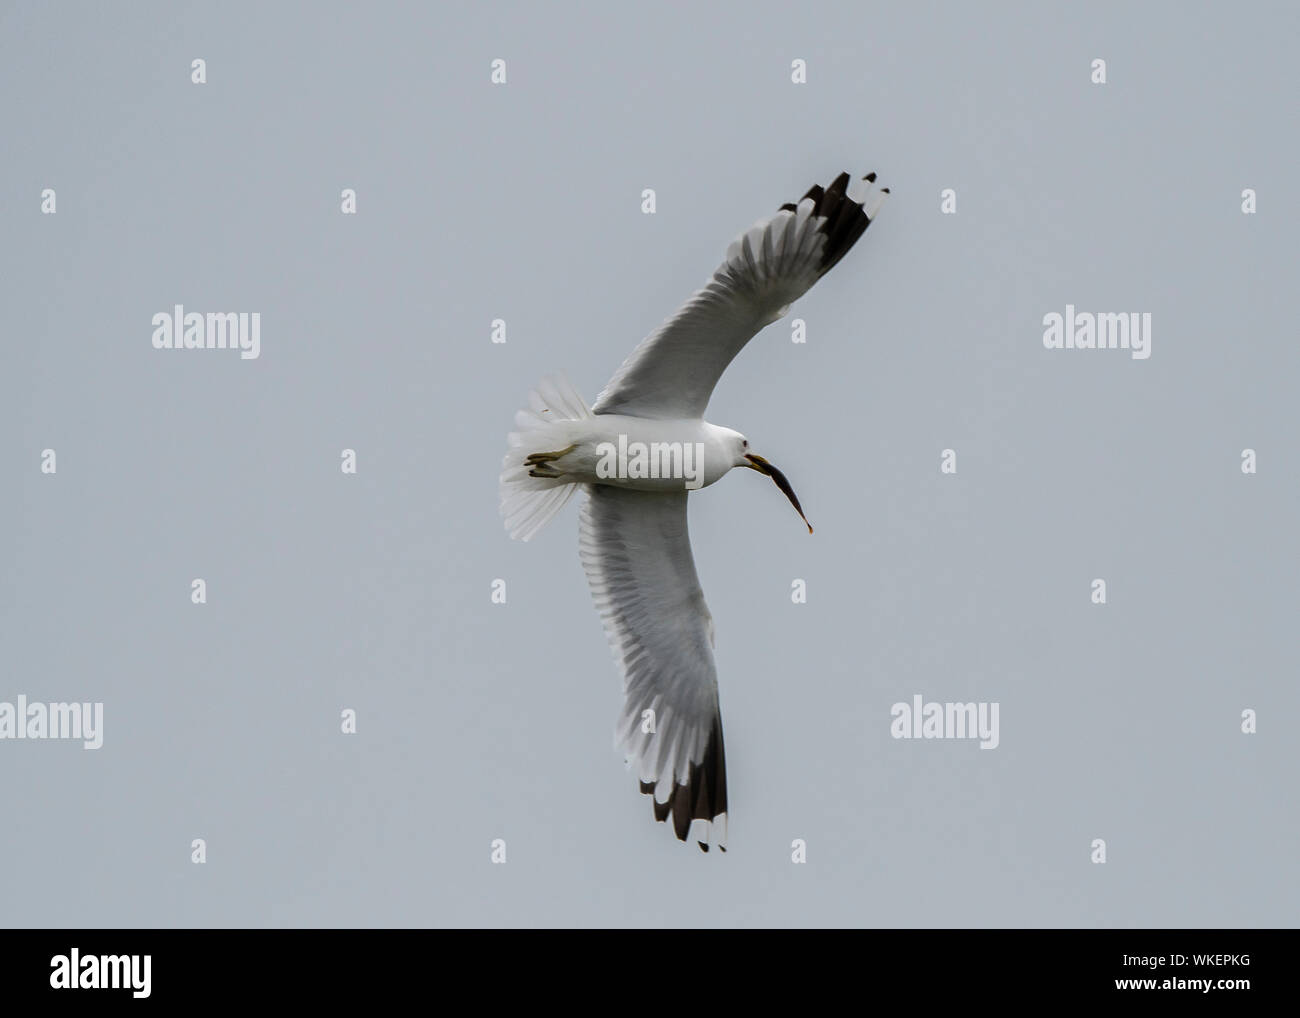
(638, 451)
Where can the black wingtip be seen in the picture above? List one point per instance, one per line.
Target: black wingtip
(703, 796)
(846, 220)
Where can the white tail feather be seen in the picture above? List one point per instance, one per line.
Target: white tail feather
(527, 501)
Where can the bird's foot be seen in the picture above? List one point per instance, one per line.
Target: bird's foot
(541, 462)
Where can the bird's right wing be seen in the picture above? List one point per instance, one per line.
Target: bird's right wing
(673, 371)
(636, 551)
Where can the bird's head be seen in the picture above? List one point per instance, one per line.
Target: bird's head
(745, 458)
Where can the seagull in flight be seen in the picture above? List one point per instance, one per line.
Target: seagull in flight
(637, 452)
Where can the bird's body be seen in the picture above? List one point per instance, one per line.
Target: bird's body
(638, 453)
(645, 446)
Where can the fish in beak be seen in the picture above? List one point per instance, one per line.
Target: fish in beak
(764, 467)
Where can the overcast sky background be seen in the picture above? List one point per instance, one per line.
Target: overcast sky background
(523, 202)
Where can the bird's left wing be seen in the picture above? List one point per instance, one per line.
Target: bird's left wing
(671, 374)
(637, 554)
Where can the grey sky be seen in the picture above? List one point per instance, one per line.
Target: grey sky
(522, 202)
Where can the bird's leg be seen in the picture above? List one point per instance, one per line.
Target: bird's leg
(541, 462)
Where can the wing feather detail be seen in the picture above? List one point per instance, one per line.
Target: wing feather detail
(636, 551)
(673, 372)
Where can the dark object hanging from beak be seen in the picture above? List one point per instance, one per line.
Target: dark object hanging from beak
(764, 467)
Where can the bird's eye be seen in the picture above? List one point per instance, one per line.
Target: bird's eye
(744, 443)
